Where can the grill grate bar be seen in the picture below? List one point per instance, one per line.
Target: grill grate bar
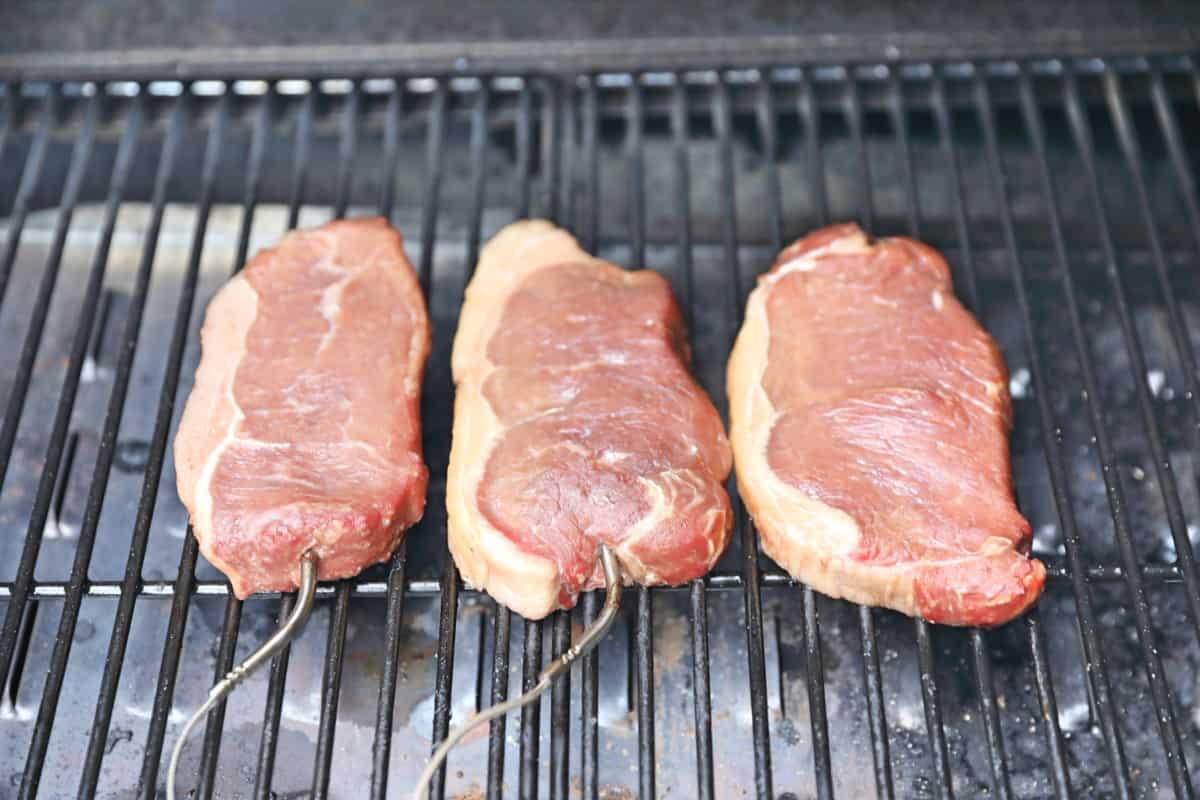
(227, 648)
(551, 207)
(718, 580)
(81, 155)
(478, 156)
(531, 661)
(810, 631)
(1169, 126)
(31, 176)
(391, 152)
(496, 737)
(215, 724)
(944, 786)
(872, 675)
(1001, 784)
(933, 711)
(633, 159)
(1158, 688)
(560, 712)
(589, 700)
(448, 611)
(478, 182)
(809, 622)
(331, 679)
(300, 160)
(180, 605)
(434, 145)
(531, 714)
(898, 114)
(273, 709)
(168, 672)
(644, 641)
(1045, 686)
(553, 142)
(852, 110)
(873, 685)
(331, 686)
(958, 190)
(683, 204)
(446, 626)
(524, 130)
(755, 652)
(347, 148)
(258, 146)
(500, 642)
(277, 677)
(9, 98)
(701, 689)
(764, 114)
(644, 621)
(570, 156)
(589, 703)
(385, 704)
(1093, 652)
(811, 120)
(590, 224)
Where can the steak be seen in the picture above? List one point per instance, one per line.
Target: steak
(869, 418)
(303, 428)
(577, 422)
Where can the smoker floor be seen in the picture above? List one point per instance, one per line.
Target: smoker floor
(791, 740)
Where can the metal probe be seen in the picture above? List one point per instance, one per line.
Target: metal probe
(304, 602)
(589, 639)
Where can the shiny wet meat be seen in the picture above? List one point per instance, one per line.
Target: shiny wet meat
(303, 428)
(889, 405)
(600, 434)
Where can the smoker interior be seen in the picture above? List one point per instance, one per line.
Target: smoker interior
(1063, 195)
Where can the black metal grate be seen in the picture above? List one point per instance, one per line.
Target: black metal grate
(1064, 195)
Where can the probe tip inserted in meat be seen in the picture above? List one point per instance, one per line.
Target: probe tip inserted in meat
(304, 602)
(587, 640)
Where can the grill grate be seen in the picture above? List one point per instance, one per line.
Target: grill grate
(1065, 198)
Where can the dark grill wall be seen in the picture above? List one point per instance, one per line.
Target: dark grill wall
(1064, 197)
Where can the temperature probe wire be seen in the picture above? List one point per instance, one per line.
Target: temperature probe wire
(555, 669)
(235, 676)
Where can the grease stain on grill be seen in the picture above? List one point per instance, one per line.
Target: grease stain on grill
(85, 629)
(131, 455)
(613, 792)
(117, 736)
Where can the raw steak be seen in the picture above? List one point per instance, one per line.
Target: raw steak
(869, 417)
(577, 422)
(303, 428)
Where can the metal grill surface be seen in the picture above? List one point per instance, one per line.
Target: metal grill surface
(1064, 196)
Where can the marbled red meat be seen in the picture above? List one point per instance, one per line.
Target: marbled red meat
(577, 422)
(303, 428)
(870, 418)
